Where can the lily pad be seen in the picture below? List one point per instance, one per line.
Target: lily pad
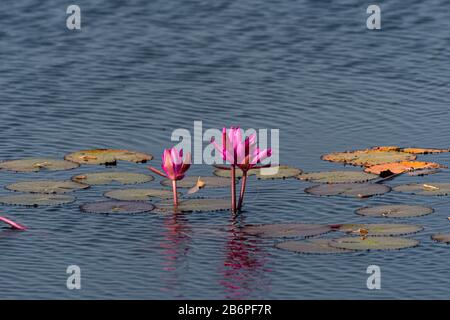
(112, 207)
(285, 230)
(369, 157)
(103, 178)
(139, 194)
(191, 181)
(227, 173)
(373, 229)
(425, 189)
(312, 246)
(373, 243)
(107, 156)
(424, 150)
(46, 186)
(37, 164)
(277, 172)
(395, 211)
(195, 205)
(400, 167)
(359, 190)
(424, 172)
(337, 177)
(441, 237)
(36, 199)
(387, 148)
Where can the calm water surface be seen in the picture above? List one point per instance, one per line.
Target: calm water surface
(140, 69)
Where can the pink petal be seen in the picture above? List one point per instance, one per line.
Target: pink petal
(13, 224)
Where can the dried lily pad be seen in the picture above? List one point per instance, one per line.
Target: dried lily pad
(425, 189)
(108, 207)
(337, 177)
(312, 246)
(195, 205)
(400, 167)
(37, 164)
(424, 172)
(36, 199)
(373, 243)
(102, 178)
(360, 190)
(107, 156)
(285, 230)
(424, 150)
(373, 229)
(367, 158)
(139, 194)
(387, 148)
(46, 186)
(441, 237)
(189, 182)
(277, 172)
(395, 211)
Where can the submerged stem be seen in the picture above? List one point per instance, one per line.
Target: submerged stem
(175, 193)
(233, 189)
(241, 195)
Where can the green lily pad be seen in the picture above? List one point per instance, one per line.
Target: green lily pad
(395, 211)
(337, 177)
(107, 156)
(441, 237)
(46, 186)
(36, 199)
(373, 229)
(277, 172)
(37, 164)
(227, 173)
(139, 194)
(312, 246)
(369, 157)
(189, 182)
(285, 230)
(103, 178)
(113, 207)
(195, 205)
(359, 190)
(373, 243)
(425, 189)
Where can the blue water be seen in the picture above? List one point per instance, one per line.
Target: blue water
(139, 69)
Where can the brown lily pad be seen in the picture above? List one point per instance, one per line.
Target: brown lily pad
(36, 199)
(113, 207)
(37, 164)
(103, 178)
(337, 177)
(369, 157)
(441, 237)
(395, 211)
(380, 229)
(139, 194)
(423, 172)
(107, 156)
(285, 230)
(424, 150)
(191, 181)
(195, 205)
(359, 190)
(403, 166)
(373, 243)
(312, 246)
(425, 189)
(46, 186)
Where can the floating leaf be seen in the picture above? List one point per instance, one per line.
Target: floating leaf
(360, 190)
(424, 150)
(36, 199)
(393, 229)
(400, 167)
(227, 173)
(103, 178)
(277, 172)
(107, 156)
(425, 189)
(395, 211)
(368, 157)
(138, 194)
(387, 148)
(337, 177)
(37, 164)
(189, 182)
(109, 207)
(285, 230)
(195, 205)
(373, 243)
(441, 237)
(424, 172)
(46, 186)
(312, 246)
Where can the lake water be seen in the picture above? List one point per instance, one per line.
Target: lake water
(139, 69)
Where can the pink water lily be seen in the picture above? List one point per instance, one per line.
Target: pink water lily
(174, 167)
(12, 224)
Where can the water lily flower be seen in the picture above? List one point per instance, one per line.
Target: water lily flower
(174, 167)
(12, 224)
